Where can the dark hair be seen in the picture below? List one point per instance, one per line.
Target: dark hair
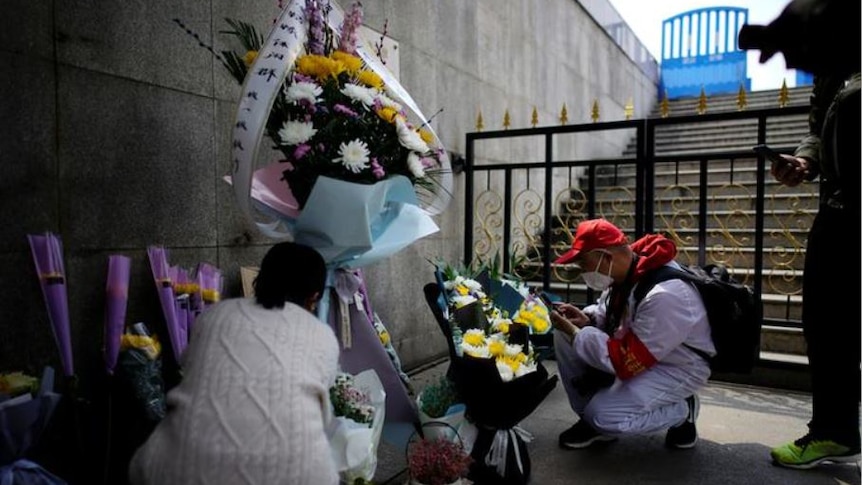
(289, 272)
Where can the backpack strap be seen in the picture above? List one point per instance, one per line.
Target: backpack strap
(658, 275)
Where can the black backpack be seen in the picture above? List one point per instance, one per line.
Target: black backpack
(731, 308)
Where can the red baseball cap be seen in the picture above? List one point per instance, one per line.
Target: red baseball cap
(593, 234)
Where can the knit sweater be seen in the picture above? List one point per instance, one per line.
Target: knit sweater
(253, 403)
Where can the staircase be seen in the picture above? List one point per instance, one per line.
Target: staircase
(731, 189)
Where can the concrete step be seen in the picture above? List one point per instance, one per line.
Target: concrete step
(785, 341)
(729, 102)
(780, 286)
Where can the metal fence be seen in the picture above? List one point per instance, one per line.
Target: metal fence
(693, 178)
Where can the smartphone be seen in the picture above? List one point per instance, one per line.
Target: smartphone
(770, 154)
(549, 302)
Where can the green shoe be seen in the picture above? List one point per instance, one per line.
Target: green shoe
(807, 452)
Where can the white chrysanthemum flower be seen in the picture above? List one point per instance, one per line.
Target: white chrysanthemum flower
(449, 285)
(473, 285)
(462, 300)
(300, 91)
(388, 102)
(354, 155)
(359, 93)
(479, 351)
(499, 324)
(513, 350)
(525, 368)
(409, 137)
(296, 132)
(506, 372)
(414, 164)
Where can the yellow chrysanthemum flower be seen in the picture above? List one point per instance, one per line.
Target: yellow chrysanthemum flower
(210, 295)
(186, 288)
(351, 63)
(541, 326)
(474, 337)
(503, 327)
(249, 58)
(511, 362)
(370, 79)
(387, 114)
(426, 135)
(319, 67)
(496, 347)
(384, 337)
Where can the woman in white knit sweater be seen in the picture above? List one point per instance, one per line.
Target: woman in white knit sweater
(253, 404)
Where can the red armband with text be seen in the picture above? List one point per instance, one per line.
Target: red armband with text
(629, 356)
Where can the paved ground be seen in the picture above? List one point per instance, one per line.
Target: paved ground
(737, 426)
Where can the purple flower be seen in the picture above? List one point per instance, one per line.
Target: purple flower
(340, 108)
(350, 29)
(302, 78)
(315, 28)
(428, 162)
(301, 150)
(376, 169)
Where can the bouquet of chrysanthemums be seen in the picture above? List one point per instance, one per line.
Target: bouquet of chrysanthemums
(492, 318)
(335, 116)
(339, 114)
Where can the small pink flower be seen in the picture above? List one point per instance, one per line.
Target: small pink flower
(428, 162)
(376, 169)
(301, 150)
(340, 108)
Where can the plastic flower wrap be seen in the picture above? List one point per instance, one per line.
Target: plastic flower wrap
(26, 407)
(359, 407)
(442, 413)
(140, 368)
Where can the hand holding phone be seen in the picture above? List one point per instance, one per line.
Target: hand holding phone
(769, 154)
(547, 300)
(786, 169)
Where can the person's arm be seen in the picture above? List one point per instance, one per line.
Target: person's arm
(808, 149)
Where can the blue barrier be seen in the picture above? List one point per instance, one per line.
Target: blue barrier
(700, 51)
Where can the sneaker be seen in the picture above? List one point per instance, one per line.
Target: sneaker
(684, 436)
(581, 435)
(807, 452)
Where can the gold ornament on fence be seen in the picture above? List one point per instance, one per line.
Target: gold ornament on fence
(629, 109)
(783, 95)
(480, 123)
(507, 120)
(534, 118)
(701, 102)
(741, 99)
(564, 115)
(594, 112)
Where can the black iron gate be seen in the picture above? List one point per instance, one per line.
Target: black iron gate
(527, 189)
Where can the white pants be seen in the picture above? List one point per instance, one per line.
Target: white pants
(652, 401)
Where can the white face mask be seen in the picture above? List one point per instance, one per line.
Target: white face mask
(597, 281)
